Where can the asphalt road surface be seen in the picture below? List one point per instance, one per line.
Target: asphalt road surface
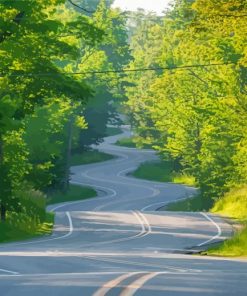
(118, 244)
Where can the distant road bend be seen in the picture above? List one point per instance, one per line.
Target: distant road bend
(118, 244)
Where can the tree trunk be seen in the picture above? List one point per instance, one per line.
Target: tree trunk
(68, 155)
(3, 213)
(2, 206)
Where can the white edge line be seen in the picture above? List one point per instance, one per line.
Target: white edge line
(9, 271)
(216, 225)
(70, 225)
(147, 222)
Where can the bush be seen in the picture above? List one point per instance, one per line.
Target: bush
(233, 204)
(32, 204)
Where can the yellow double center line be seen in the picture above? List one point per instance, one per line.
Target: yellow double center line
(130, 289)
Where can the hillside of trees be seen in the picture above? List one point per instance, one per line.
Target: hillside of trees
(192, 108)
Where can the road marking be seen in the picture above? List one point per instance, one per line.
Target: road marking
(119, 174)
(113, 283)
(142, 233)
(9, 271)
(131, 289)
(153, 190)
(70, 225)
(141, 223)
(218, 229)
(149, 229)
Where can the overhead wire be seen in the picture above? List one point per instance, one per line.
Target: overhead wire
(117, 71)
(80, 7)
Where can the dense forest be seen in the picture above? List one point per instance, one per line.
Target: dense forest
(68, 68)
(193, 107)
(52, 102)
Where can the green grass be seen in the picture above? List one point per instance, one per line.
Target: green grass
(91, 156)
(183, 178)
(235, 247)
(18, 227)
(193, 204)
(126, 142)
(131, 143)
(234, 205)
(113, 131)
(162, 172)
(74, 193)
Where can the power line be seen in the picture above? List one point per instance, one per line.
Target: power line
(118, 71)
(80, 7)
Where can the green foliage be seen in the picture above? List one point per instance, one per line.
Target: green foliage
(21, 227)
(34, 41)
(233, 204)
(74, 193)
(184, 178)
(197, 114)
(112, 53)
(33, 204)
(235, 247)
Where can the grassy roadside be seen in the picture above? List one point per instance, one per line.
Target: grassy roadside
(131, 143)
(19, 227)
(91, 156)
(194, 204)
(126, 142)
(233, 205)
(162, 172)
(113, 131)
(74, 193)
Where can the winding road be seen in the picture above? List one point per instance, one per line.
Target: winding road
(117, 244)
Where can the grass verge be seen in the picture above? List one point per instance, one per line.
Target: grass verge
(113, 131)
(233, 205)
(91, 156)
(126, 142)
(74, 193)
(162, 172)
(18, 227)
(194, 204)
(131, 143)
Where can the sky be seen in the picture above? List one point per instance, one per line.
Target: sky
(150, 5)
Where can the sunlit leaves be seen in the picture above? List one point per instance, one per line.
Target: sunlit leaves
(199, 113)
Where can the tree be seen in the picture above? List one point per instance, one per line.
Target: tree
(198, 111)
(34, 41)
